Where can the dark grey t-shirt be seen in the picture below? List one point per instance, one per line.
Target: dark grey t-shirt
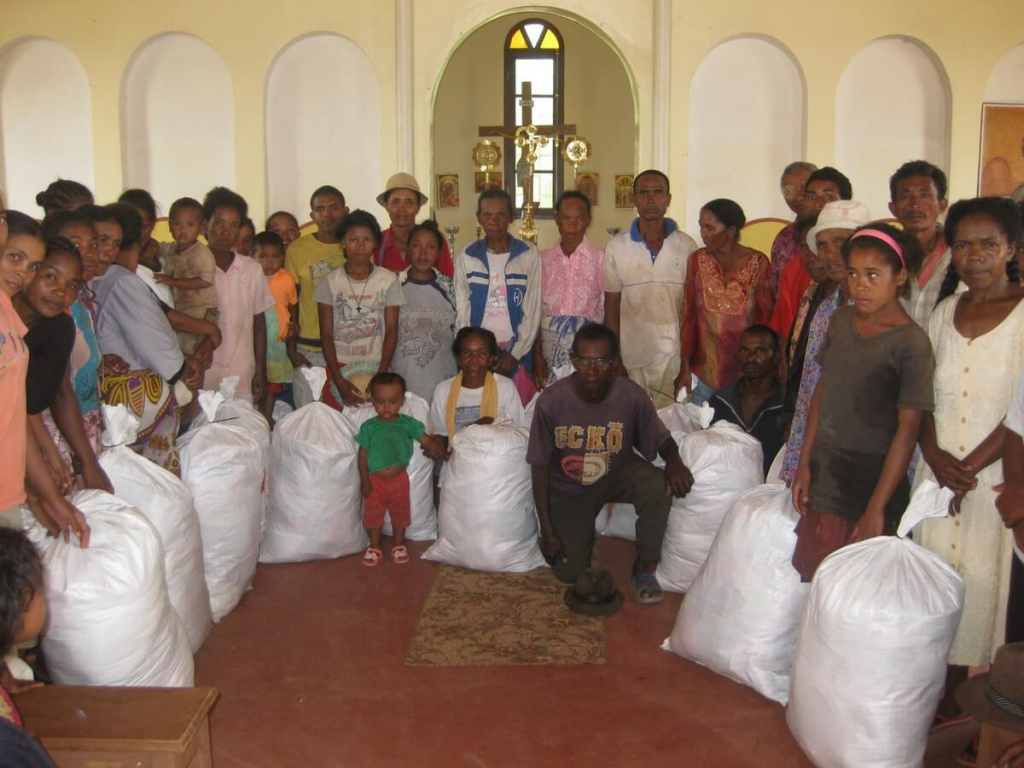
(582, 442)
(866, 382)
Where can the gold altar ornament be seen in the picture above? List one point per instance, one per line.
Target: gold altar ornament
(577, 151)
(486, 154)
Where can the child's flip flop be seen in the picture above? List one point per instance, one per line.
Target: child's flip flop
(646, 588)
(371, 557)
(400, 554)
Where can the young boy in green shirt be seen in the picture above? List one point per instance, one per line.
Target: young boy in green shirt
(385, 448)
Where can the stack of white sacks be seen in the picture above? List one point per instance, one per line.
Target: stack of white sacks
(859, 654)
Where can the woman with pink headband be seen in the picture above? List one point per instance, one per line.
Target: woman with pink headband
(875, 389)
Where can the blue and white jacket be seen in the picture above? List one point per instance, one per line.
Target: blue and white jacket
(522, 281)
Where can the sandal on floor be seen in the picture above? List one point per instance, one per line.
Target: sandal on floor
(371, 557)
(969, 756)
(400, 554)
(646, 588)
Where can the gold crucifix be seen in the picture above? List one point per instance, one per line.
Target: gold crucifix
(529, 138)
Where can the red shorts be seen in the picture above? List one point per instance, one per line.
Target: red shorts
(818, 535)
(387, 495)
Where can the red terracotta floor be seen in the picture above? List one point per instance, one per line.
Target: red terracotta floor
(311, 672)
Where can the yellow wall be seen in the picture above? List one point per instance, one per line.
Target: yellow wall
(471, 94)
(968, 38)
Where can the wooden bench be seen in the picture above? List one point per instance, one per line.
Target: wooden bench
(88, 727)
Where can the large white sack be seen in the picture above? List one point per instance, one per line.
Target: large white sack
(167, 503)
(315, 508)
(487, 518)
(223, 467)
(725, 462)
(423, 513)
(742, 612)
(871, 654)
(109, 620)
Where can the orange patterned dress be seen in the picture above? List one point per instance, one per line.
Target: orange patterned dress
(716, 312)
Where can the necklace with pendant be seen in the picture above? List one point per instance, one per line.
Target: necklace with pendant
(359, 298)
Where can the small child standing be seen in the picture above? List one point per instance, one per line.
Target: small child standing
(865, 417)
(282, 319)
(385, 448)
(22, 609)
(189, 269)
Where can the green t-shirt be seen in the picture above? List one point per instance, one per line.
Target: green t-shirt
(389, 443)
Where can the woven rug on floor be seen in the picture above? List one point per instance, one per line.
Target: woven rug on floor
(502, 619)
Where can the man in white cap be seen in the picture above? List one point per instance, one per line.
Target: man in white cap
(402, 200)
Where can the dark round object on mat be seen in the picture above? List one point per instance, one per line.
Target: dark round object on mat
(594, 594)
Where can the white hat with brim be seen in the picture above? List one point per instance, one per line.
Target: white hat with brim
(401, 181)
(839, 214)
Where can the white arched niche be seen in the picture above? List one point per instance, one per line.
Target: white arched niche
(45, 120)
(323, 125)
(178, 119)
(1005, 82)
(892, 106)
(746, 125)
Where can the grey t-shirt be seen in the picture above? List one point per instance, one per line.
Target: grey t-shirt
(583, 442)
(866, 382)
(424, 355)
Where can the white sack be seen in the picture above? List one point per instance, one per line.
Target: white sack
(423, 522)
(487, 519)
(167, 503)
(725, 462)
(741, 614)
(222, 465)
(109, 620)
(871, 654)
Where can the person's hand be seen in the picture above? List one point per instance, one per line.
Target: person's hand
(551, 548)
(160, 277)
(506, 365)
(59, 517)
(364, 486)
(1012, 756)
(950, 472)
(214, 336)
(299, 360)
(259, 386)
(193, 375)
(95, 478)
(801, 489)
(678, 478)
(870, 525)
(540, 372)
(113, 365)
(434, 448)
(62, 477)
(293, 331)
(682, 380)
(203, 354)
(1010, 503)
(349, 394)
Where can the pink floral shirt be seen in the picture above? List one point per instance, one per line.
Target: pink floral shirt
(573, 285)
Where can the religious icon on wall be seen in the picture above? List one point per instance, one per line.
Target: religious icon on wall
(447, 190)
(624, 190)
(1002, 151)
(588, 184)
(488, 180)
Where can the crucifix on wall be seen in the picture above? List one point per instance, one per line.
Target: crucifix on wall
(529, 138)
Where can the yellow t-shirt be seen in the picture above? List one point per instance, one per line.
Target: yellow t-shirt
(307, 261)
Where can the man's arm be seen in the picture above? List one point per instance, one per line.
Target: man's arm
(53, 511)
(550, 546)
(678, 478)
(67, 415)
(259, 345)
(188, 283)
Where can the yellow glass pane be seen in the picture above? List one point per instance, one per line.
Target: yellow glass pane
(549, 41)
(518, 41)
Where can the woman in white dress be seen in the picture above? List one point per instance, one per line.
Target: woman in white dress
(978, 337)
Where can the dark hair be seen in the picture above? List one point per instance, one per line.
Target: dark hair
(799, 165)
(97, 214)
(495, 194)
(60, 244)
(19, 223)
(429, 225)
(222, 197)
(473, 330)
(21, 576)
(911, 260)
(918, 168)
(130, 221)
(183, 203)
(268, 239)
(572, 194)
(652, 172)
(247, 222)
(141, 200)
(275, 214)
(358, 218)
(828, 173)
(802, 226)
(728, 212)
(57, 221)
(62, 195)
(773, 337)
(326, 189)
(386, 378)
(596, 332)
(1001, 210)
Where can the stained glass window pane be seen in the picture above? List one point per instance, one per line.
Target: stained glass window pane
(549, 41)
(533, 31)
(518, 41)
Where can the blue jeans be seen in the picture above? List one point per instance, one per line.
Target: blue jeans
(702, 393)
